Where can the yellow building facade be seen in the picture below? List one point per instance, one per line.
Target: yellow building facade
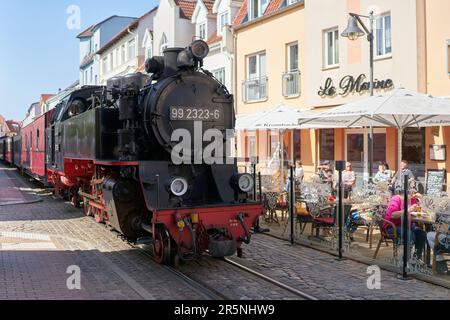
(325, 70)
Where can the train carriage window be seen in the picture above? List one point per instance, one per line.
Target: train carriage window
(77, 106)
(37, 140)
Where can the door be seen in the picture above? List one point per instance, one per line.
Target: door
(357, 151)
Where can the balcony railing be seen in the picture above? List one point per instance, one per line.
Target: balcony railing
(255, 89)
(291, 84)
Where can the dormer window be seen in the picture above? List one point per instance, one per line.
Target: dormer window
(163, 44)
(257, 8)
(201, 33)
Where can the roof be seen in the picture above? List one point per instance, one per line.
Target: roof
(214, 38)
(45, 97)
(13, 126)
(187, 8)
(209, 5)
(89, 32)
(86, 33)
(132, 26)
(273, 7)
(87, 59)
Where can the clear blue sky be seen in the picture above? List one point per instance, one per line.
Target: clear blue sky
(39, 54)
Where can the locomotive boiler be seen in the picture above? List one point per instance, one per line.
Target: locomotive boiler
(116, 150)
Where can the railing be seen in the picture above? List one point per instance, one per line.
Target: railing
(255, 89)
(291, 84)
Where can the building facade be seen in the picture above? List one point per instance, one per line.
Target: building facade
(93, 39)
(172, 25)
(411, 51)
(269, 65)
(125, 53)
(212, 20)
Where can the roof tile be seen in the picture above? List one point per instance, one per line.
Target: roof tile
(187, 8)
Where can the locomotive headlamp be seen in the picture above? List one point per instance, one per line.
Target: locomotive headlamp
(199, 49)
(178, 187)
(244, 182)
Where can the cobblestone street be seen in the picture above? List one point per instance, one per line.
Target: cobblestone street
(40, 240)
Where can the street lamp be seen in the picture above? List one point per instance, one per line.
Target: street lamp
(353, 32)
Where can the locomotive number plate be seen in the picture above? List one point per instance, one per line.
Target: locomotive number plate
(196, 114)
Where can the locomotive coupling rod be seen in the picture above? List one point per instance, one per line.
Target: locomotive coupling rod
(87, 195)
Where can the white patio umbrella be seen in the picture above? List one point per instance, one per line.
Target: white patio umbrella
(399, 109)
(281, 118)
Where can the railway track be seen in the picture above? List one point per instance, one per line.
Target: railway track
(198, 286)
(275, 282)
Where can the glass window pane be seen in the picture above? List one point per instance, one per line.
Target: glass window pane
(330, 48)
(252, 67)
(293, 57)
(336, 47)
(262, 65)
(387, 33)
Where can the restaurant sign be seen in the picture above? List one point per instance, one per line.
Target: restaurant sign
(350, 84)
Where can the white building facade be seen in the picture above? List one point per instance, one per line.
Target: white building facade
(212, 20)
(93, 39)
(127, 51)
(172, 25)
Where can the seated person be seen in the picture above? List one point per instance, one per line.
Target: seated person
(383, 174)
(438, 243)
(394, 214)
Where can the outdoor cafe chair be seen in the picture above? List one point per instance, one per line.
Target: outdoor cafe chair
(385, 236)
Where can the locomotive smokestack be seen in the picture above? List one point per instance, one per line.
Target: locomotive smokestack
(170, 61)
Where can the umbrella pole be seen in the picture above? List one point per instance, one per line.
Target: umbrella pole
(399, 152)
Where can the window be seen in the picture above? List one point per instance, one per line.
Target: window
(131, 49)
(256, 84)
(117, 57)
(96, 47)
(224, 21)
(86, 76)
(220, 75)
(96, 79)
(201, 33)
(111, 61)
(163, 45)
(123, 54)
(105, 64)
(326, 141)
(292, 53)
(448, 57)
(289, 2)
(331, 48)
(257, 8)
(383, 39)
(37, 139)
(91, 70)
(291, 79)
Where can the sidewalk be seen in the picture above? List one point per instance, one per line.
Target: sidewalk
(12, 191)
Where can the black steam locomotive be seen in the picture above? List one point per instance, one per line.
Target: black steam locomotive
(116, 151)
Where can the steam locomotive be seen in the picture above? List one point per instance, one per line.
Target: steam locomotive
(111, 150)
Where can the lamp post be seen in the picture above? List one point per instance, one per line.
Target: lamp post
(353, 32)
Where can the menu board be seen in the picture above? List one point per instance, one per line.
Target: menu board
(435, 182)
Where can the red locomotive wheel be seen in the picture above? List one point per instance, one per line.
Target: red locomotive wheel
(161, 246)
